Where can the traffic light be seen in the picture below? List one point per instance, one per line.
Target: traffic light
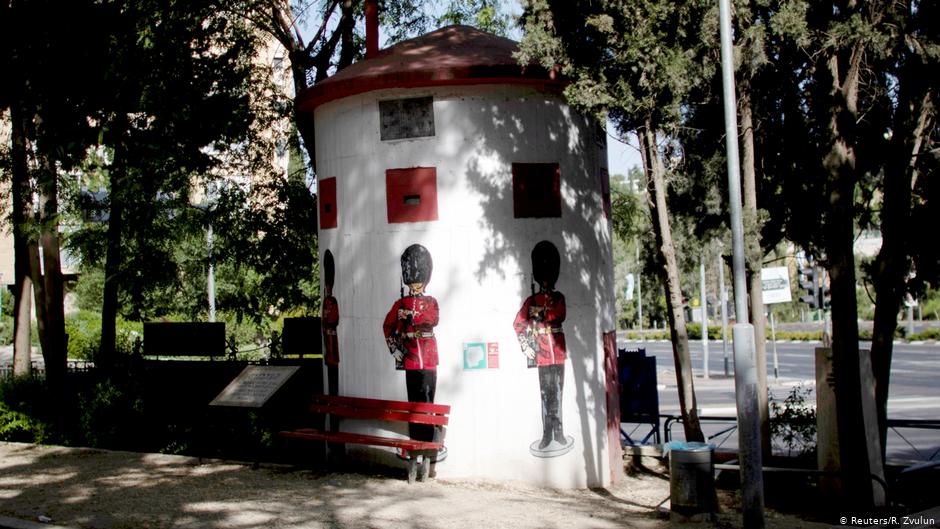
(824, 297)
(809, 282)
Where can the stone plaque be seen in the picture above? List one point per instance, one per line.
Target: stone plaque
(254, 386)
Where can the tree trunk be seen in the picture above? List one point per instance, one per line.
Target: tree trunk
(669, 272)
(23, 283)
(839, 235)
(54, 352)
(348, 49)
(39, 292)
(754, 261)
(113, 261)
(891, 265)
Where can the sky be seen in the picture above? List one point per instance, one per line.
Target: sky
(621, 156)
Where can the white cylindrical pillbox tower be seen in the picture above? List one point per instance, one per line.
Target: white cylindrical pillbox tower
(444, 141)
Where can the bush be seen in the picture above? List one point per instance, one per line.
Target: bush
(695, 331)
(16, 425)
(24, 411)
(6, 330)
(109, 413)
(249, 337)
(928, 334)
(84, 330)
(793, 423)
(636, 336)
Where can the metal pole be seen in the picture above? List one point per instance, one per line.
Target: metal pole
(745, 369)
(639, 288)
(773, 340)
(701, 272)
(910, 319)
(723, 295)
(211, 279)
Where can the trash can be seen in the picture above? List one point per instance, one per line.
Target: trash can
(691, 480)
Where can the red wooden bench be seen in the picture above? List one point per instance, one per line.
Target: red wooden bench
(422, 452)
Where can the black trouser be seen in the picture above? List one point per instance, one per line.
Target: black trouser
(332, 380)
(421, 384)
(551, 384)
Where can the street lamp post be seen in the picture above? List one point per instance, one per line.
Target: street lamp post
(723, 296)
(704, 307)
(639, 289)
(745, 366)
(210, 280)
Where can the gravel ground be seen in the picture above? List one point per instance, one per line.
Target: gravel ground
(85, 488)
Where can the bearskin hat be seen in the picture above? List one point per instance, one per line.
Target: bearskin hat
(329, 269)
(545, 263)
(416, 265)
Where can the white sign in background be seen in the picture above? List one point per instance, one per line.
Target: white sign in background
(775, 282)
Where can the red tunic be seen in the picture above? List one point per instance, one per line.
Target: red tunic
(328, 323)
(416, 333)
(546, 325)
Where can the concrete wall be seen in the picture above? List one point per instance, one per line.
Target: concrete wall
(481, 269)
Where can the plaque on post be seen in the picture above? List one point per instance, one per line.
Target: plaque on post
(254, 386)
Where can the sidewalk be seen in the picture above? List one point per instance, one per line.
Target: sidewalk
(84, 489)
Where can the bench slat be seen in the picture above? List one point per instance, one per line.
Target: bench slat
(391, 405)
(355, 438)
(379, 414)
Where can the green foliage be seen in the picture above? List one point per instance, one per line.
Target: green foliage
(928, 334)
(16, 426)
(6, 304)
(635, 336)
(793, 422)
(800, 336)
(695, 331)
(137, 409)
(404, 19)
(485, 15)
(267, 250)
(630, 222)
(24, 411)
(931, 304)
(112, 413)
(84, 331)
(89, 289)
(6, 330)
(633, 61)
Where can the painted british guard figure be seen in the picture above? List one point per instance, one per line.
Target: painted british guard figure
(542, 339)
(409, 333)
(329, 323)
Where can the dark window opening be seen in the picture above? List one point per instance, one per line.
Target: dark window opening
(536, 190)
(406, 118)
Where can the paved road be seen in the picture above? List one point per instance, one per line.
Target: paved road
(914, 393)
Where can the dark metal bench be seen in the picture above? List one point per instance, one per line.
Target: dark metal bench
(422, 452)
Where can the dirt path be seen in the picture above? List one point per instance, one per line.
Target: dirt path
(84, 488)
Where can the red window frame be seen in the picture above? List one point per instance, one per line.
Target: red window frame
(327, 203)
(411, 194)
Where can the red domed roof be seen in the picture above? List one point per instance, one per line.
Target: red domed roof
(454, 55)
